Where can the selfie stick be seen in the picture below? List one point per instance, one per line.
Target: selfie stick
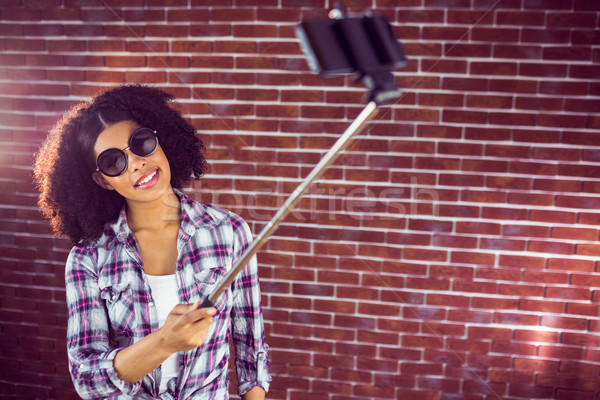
(382, 89)
(368, 112)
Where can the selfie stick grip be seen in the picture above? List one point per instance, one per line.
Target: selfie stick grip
(363, 118)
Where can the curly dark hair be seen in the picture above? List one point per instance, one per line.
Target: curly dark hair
(75, 205)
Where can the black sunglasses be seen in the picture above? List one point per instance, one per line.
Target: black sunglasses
(113, 162)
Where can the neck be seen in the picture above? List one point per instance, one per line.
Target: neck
(156, 214)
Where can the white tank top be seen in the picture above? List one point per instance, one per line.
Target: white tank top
(164, 294)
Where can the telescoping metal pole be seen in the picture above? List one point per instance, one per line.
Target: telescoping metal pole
(363, 118)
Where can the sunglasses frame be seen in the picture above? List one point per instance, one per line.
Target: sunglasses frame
(122, 151)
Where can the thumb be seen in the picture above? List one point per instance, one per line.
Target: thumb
(209, 311)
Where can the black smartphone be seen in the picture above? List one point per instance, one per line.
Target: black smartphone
(363, 45)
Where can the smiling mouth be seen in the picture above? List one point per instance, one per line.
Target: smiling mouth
(147, 178)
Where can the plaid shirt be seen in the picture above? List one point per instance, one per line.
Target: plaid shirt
(111, 307)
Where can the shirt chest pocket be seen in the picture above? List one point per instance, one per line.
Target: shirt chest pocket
(207, 281)
(120, 306)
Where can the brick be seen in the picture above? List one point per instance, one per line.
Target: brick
(423, 313)
(380, 251)
(512, 118)
(570, 20)
(502, 244)
(489, 361)
(444, 385)
(542, 305)
(422, 341)
(481, 101)
(557, 185)
(580, 339)
(562, 120)
(196, 46)
(549, 36)
(169, 30)
(575, 233)
(557, 154)
(420, 368)
(436, 163)
(483, 196)
(331, 387)
(579, 368)
(194, 15)
(476, 287)
(274, 14)
(546, 277)
(583, 309)
(521, 18)
(529, 391)
(444, 329)
(563, 322)
(521, 52)
(513, 86)
(519, 319)
(563, 88)
(562, 381)
(536, 364)
(418, 395)
(498, 274)
(500, 182)
(568, 293)
(423, 254)
(444, 66)
(526, 230)
(470, 316)
(402, 296)
(521, 290)
(511, 347)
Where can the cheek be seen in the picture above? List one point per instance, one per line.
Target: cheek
(163, 162)
(118, 182)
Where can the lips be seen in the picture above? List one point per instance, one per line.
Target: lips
(147, 180)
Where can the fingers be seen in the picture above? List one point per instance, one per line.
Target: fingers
(181, 309)
(195, 314)
(187, 326)
(191, 313)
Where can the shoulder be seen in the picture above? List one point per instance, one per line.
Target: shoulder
(202, 216)
(81, 258)
(208, 214)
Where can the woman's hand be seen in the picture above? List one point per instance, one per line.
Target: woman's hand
(186, 327)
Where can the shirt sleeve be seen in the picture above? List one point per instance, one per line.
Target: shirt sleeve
(251, 360)
(90, 351)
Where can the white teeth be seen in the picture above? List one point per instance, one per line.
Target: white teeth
(148, 178)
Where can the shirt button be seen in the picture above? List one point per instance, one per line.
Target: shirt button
(81, 366)
(151, 304)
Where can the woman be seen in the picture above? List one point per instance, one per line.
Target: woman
(145, 256)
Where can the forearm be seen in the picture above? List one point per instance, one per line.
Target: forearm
(186, 328)
(256, 393)
(138, 360)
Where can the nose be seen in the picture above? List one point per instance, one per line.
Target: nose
(135, 162)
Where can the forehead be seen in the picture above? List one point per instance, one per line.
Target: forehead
(116, 135)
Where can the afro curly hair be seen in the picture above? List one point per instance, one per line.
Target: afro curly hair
(75, 205)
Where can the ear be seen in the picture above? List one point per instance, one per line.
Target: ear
(101, 181)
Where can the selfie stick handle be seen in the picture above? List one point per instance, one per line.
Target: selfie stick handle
(365, 116)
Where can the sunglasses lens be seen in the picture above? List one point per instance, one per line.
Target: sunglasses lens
(112, 162)
(143, 142)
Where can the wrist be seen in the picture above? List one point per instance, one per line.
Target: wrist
(162, 344)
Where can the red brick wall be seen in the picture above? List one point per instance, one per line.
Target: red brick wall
(451, 253)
